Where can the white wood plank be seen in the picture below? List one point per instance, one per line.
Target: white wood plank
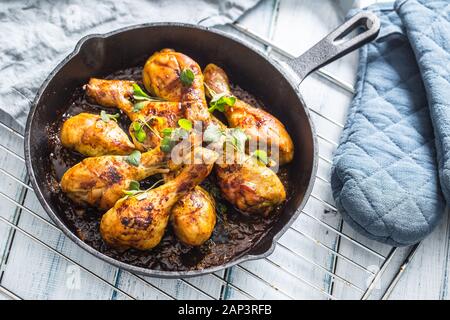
(35, 272)
(205, 287)
(26, 269)
(8, 187)
(427, 277)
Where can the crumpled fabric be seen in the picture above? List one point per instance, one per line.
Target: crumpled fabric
(36, 35)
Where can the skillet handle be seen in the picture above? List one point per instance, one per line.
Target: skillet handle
(336, 45)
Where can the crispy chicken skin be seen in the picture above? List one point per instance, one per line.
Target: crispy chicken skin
(100, 181)
(194, 217)
(250, 186)
(161, 77)
(116, 93)
(140, 221)
(259, 125)
(89, 135)
(111, 93)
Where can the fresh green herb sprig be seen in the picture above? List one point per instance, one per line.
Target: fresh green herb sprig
(187, 77)
(134, 190)
(234, 136)
(219, 100)
(138, 106)
(172, 135)
(138, 127)
(141, 98)
(134, 158)
(108, 117)
(139, 132)
(213, 133)
(237, 138)
(261, 155)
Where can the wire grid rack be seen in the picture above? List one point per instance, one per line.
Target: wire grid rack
(395, 260)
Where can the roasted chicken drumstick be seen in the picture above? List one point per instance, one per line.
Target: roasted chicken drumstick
(140, 221)
(101, 181)
(162, 75)
(250, 186)
(90, 135)
(259, 125)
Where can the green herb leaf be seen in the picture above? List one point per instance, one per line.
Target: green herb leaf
(139, 106)
(187, 77)
(185, 124)
(130, 192)
(107, 117)
(220, 101)
(134, 158)
(140, 135)
(139, 132)
(137, 126)
(142, 97)
(212, 133)
(172, 136)
(261, 155)
(166, 144)
(138, 92)
(133, 188)
(134, 185)
(167, 132)
(179, 134)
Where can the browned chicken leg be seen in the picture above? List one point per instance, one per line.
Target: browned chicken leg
(249, 185)
(101, 181)
(194, 217)
(90, 135)
(119, 94)
(140, 221)
(112, 93)
(162, 75)
(258, 125)
(151, 116)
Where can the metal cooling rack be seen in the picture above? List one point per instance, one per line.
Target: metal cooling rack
(391, 265)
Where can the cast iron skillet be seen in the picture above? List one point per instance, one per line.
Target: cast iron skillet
(103, 54)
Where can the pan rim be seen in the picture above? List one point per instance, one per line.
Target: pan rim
(141, 270)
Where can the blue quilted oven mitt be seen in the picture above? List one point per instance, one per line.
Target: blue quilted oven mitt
(384, 176)
(429, 34)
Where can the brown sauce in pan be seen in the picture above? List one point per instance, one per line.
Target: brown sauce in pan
(233, 235)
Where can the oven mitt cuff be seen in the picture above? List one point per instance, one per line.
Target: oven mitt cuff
(384, 177)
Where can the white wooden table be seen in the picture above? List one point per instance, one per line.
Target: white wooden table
(38, 262)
